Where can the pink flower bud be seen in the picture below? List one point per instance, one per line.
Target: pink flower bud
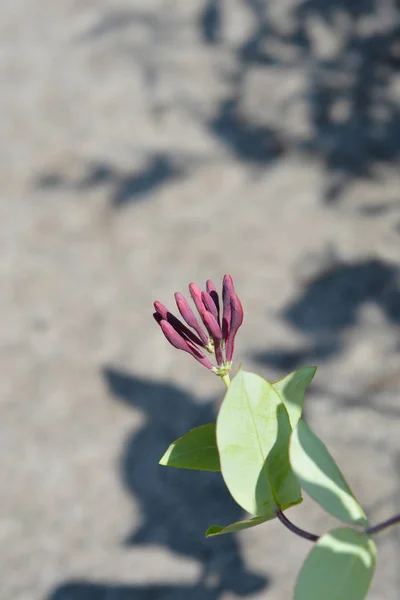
(177, 324)
(218, 353)
(189, 316)
(211, 289)
(209, 304)
(236, 321)
(176, 340)
(195, 292)
(228, 291)
(161, 309)
(212, 326)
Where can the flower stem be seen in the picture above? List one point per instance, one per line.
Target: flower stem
(226, 379)
(314, 538)
(294, 529)
(383, 525)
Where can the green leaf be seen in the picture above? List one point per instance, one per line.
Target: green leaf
(238, 526)
(339, 567)
(197, 449)
(253, 432)
(292, 389)
(320, 476)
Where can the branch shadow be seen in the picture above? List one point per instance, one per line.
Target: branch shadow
(125, 187)
(176, 505)
(346, 51)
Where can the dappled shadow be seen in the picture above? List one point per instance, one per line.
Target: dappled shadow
(343, 109)
(125, 187)
(329, 305)
(176, 506)
(380, 208)
(249, 142)
(349, 54)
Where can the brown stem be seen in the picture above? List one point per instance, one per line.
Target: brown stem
(301, 532)
(383, 525)
(314, 538)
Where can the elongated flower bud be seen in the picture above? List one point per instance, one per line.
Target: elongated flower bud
(236, 321)
(228, 291)
(218, 353)
(161, 309)
(176, 340)
(212, 326)
(209, 304)
(177, 324)
(212, 290)
(198, 355)
(195, 292)
(188, 315)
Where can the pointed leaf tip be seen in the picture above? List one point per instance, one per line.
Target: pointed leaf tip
(197, 450)
(238, 526)
(292, 388)
(320, 476)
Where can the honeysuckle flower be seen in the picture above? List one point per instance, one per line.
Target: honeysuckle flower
(214, 333)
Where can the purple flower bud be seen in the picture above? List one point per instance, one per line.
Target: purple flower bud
(211, 289)
(173, 336)
(209, 304)
(218, 353)
(236, 321)
(228, 291)
(176, 323)
(189, 316)
(176, 340)
(195, 292)
(198, 355)
(212, 326)
(161, 309)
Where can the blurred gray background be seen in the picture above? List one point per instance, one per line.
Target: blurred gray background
(144, 145)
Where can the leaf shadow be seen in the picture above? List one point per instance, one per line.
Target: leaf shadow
(176, 506)
(328, 305)
(276, 479)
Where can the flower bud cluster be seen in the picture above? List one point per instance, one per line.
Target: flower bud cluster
(216, 330)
